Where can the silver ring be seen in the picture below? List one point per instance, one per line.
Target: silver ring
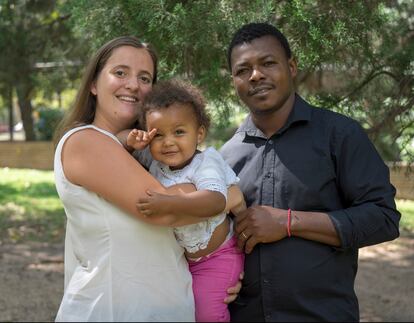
(244, 235)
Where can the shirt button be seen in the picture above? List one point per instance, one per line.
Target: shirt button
(268, 317)
(268, 175)
(270, 142)
(265, 281)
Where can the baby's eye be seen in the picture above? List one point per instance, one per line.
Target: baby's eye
(179, 132)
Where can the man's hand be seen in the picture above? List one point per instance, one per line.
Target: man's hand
(156, 204)
(139, 139)
(260, 224)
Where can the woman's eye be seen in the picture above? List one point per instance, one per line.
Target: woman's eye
(120, 73)
(146, 79)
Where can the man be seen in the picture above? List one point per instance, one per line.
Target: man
(315, 187)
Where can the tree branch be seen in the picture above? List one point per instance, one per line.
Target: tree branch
(367, 80)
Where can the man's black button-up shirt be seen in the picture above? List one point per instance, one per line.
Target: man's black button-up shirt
(319, 161)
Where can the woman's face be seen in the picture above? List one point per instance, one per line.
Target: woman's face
(121, 87)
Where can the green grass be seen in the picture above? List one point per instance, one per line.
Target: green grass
(30, 208)
(406, 207)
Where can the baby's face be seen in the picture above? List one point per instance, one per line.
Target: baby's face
(178, 135)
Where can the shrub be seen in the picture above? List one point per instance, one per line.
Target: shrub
(47, 121)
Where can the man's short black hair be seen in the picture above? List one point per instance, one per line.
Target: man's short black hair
(251, 31)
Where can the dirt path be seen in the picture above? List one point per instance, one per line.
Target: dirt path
(31, 281)
(385, 281)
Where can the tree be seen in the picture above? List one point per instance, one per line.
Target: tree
(6, 93)
(31, 32)
(365, 47)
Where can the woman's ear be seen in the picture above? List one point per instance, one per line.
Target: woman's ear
(93, 88)
(201, 134)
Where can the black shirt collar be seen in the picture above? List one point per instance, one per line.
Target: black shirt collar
(301, 112)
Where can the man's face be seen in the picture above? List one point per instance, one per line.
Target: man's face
(263, 75)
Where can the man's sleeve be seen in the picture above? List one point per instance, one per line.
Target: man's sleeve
(363, 179)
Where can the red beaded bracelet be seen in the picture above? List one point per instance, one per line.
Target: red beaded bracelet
(288, 222)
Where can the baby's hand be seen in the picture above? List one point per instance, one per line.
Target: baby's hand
(139, 139)
(155, 204)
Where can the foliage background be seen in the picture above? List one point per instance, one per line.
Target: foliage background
(355, 57)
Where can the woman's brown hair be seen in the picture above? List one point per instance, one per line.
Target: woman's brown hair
(83, 110)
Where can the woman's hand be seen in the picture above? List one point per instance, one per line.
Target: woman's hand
(234, 291)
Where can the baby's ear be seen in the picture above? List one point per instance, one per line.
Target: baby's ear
(201, 134)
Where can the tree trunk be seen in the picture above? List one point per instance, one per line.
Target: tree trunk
(9, 104)
(23, 95)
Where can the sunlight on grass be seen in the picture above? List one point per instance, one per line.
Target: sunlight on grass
(406, 207)
(29, 206)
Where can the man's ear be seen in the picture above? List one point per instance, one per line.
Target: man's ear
(201, 135)
(293, 66)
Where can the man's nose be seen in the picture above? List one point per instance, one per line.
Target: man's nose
(256, 74)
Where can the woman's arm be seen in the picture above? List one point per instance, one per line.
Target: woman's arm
(96, 162)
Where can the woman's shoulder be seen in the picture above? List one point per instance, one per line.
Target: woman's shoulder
(88, 138)
(83, 148)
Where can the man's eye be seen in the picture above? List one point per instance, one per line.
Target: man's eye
(241, 71)
(269, 63)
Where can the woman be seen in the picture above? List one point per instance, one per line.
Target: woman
(117, 268)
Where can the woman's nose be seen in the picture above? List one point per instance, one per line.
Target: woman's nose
(132, 84)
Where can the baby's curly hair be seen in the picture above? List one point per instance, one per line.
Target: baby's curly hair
(166, 93)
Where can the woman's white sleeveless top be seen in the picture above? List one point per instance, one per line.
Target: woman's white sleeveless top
(118, 268)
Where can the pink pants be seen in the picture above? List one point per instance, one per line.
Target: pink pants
(212, 275)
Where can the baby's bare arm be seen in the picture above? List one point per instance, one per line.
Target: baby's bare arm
(235, 200)
(122, 137)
